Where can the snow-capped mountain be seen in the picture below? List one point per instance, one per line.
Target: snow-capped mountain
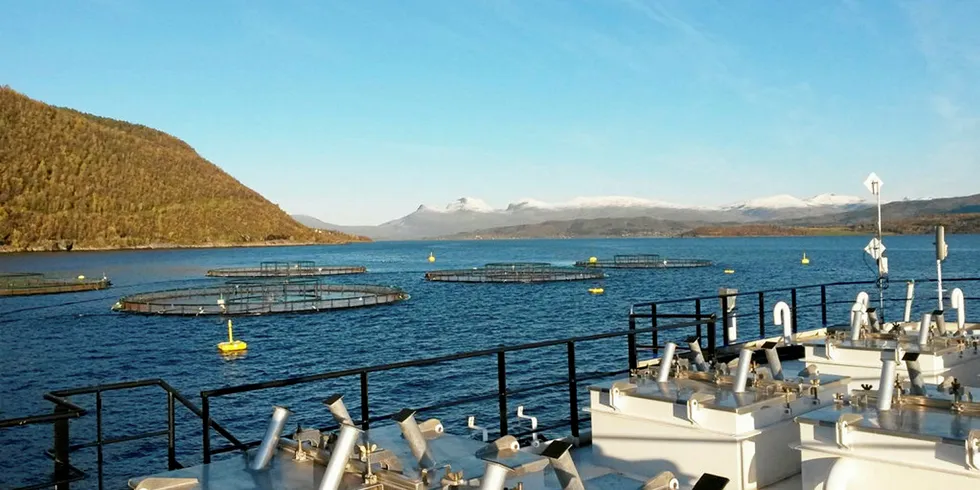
(470, 214)
(783, 201)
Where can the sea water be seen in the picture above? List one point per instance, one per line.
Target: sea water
(72, 340)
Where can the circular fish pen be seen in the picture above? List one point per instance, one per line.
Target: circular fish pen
(30, 283)
(303, 268)
(260, 298)
(523, 272)
(642, 261)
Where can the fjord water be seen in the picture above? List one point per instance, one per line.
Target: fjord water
(73, 340)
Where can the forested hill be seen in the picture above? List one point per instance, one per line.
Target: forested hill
(70, 180)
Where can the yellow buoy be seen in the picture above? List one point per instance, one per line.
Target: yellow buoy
(432, 258)
(232, 345)
(729, 271)
(593, 260)
(805, 260)
(596, 290)
(81, 278)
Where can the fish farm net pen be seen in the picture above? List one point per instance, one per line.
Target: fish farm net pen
(642, 261)
(287, 269)
(259, 298)
(515, 272)
(30, 283)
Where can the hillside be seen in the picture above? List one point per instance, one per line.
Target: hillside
(76, 181)
(585, 228)
(919, 225)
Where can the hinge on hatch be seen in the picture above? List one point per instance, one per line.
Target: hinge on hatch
(694, 404)
(844, 428)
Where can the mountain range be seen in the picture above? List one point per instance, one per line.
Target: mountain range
(467, 214)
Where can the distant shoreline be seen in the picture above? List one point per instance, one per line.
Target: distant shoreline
(7, 250)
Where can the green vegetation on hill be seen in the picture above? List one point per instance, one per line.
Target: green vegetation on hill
(72, 180)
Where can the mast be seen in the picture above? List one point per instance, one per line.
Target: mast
(876, 248)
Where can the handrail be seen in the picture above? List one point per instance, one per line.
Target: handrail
(572, 380)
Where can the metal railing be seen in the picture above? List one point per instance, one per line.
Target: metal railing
(65, 410)
(572, 381)
(810, 301)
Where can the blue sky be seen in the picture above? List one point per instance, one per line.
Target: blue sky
(357, 112)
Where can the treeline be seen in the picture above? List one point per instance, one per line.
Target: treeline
(74, 180)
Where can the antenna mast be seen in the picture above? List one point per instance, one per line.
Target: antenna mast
(876, 248)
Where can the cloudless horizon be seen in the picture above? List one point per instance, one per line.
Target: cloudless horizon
(357, 112)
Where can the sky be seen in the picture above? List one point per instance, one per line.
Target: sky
(357, 112)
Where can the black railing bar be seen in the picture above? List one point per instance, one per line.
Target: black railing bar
(87, 390)
(79, 475)
(65, 403)
(200, 413)
(106, 442)
(473, 399)
(432, 360)
(56, 397)
(670, 326)
(526, 389)
(40, 419)
(541, 429)
(749, 293)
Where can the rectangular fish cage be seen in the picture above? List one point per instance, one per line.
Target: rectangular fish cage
(30, 283)
(642, 261)
(300, 268)
(514, 272)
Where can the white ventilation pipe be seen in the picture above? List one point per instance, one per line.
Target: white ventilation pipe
(271, 439)
(959, 302)
(694, 343)
(494, 476)
(886, 384)
(664, 372)
(924, 327)
(336, 405)
(742, 374)
(339, 455)
(862, 298)
(782, 315)
(857, 318)
(909, 296)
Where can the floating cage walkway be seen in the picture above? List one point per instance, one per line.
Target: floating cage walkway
(525, 272)
(287, 269)
(641, 261)
(29, 283)
(260, 298)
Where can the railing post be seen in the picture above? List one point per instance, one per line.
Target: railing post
(793, 311)
(823, 304)
(98, 435)
(572, 390)
(762, 315)
(171, 445)
(365, 409)
(697, 313)
(206, 430)
(724, 320)
(653, 323)
(631, 344)
(502, 392)
(712, 334)
(61, 447)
